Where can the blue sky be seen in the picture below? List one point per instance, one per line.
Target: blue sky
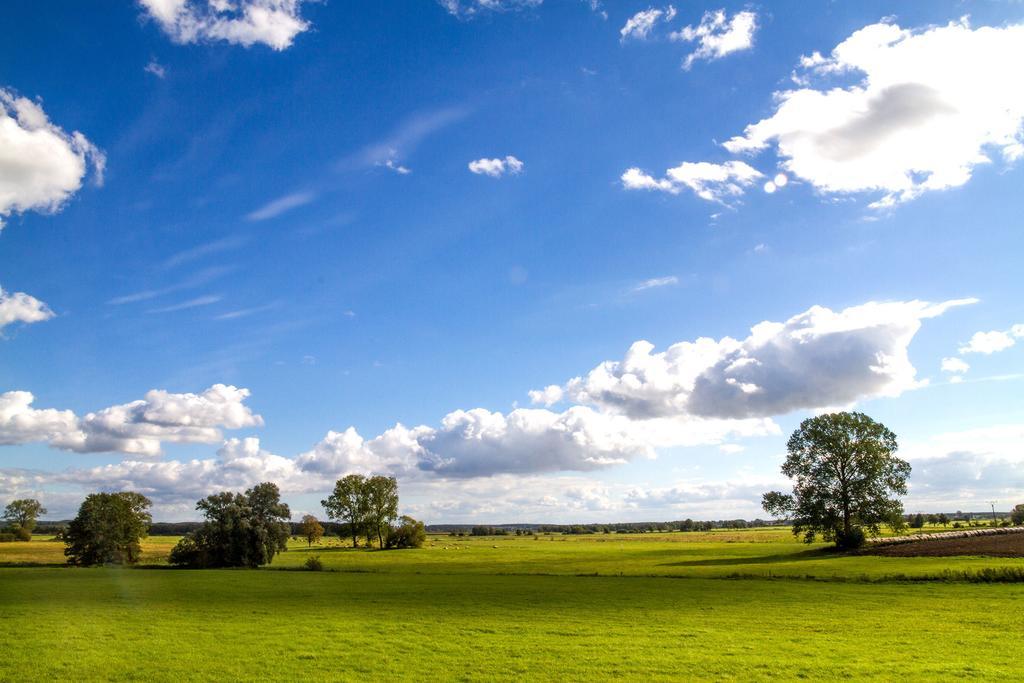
(291, 218)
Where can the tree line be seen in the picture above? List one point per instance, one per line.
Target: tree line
(246, 529)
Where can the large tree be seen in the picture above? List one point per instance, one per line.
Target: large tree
(108, 529)
(22, 515)
(241, 530)
(348, 504)
(381, 505)
(846, 477)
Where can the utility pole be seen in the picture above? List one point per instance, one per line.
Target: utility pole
(993, 504)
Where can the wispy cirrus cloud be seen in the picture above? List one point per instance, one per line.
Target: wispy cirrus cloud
(282, 204)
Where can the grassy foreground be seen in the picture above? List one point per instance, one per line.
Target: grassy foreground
(516, 611)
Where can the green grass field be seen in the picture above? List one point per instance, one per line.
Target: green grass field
(653, 606)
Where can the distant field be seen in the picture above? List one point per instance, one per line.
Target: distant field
(514, 608)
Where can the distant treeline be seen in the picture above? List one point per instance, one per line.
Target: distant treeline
(337, 529)
(614, 528)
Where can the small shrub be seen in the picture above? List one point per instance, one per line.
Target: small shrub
(7, 537)
(314, 564)
(22, 534)
(855, 539)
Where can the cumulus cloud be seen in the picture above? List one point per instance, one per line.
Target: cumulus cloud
(640, 25)
(548, 396)
(965, 469)
(273, 23)
(240, 463)
(496, 168)
(711, 182)
(139, 427)
(928, 107)
(41, 165)
(993, 342)
(717, 35)
(21, 423)
(815, 359)
(479, 442)
(18, 307)
(954, 366)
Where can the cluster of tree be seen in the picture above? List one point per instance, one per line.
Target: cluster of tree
(108, 529)
(241, 530)
(919, 520)
(480, 530)
(846, 475)
(21, 516)
(366, 505)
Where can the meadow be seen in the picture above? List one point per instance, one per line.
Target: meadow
(742, 605)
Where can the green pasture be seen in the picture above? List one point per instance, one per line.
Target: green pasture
(652, 606)
(748, 553)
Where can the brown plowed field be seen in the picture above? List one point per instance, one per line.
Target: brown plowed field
(1004, 545)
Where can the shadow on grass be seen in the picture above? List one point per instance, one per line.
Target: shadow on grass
(815, 554)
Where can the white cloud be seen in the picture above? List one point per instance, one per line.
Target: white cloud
(21, 423)
(817, 358)
(41, 165)
(656, 282)
(467, 9)
(398, 168)
(274, 23)
(139, 427)
(711, 182)
(154, 67)
(280, 205)
(992, 342)
(718, 36)
(401, 142)
(198, 301)
(639, 26)
(548, 396)
(965, 469)
(954, 366)
(496, 168)
(18, 307)
(929, 106)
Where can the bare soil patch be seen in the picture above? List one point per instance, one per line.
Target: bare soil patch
(1003, 545)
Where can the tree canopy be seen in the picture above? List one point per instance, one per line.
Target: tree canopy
(22, 514)
(381, 505)
(365, 505)
(348, 504)
(311, 529)
(241, 530)
(410, 533)
(107, 529)
(845, 476)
